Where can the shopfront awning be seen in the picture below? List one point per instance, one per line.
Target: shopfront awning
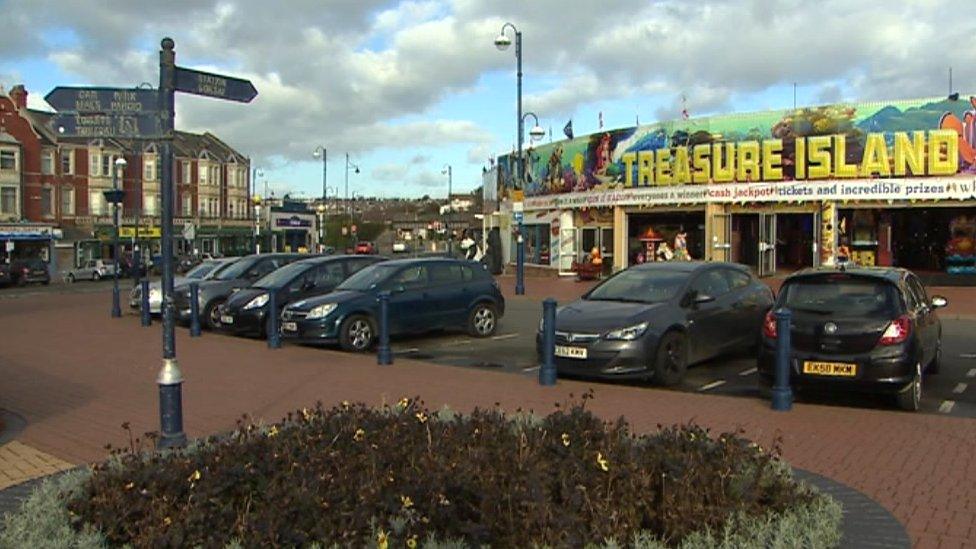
(26, 235)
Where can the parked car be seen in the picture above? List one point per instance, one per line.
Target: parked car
(365, 247)
(401, 247)
(5, 278)
(27, 271)
(426, 294)
(246, 311)
(214, 292)
(93, 269)
(858, 329)
(204, 271)
(652, 321)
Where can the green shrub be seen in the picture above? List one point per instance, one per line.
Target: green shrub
(406, 476)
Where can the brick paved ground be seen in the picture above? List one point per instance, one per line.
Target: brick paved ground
(75, 375)
(20, 462)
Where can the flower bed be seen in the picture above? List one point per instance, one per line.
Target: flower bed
(403, 476)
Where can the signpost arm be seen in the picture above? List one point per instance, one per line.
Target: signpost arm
(170, 379)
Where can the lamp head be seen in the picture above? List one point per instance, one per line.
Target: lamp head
(357, 169)
(502, 42)
(316, 153)
(537, 133)
(120, 162)
(320, 208)
(256, 199)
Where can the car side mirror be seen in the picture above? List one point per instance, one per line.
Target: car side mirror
(398, 289)
(698, 299)
(939, 302)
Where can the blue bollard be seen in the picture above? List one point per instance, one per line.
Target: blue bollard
(194, 310)
(547, 370)
(274, 335)
(146, 319)
(384, 355)
(782, 393)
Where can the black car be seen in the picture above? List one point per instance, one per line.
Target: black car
(652, 320)
(27, 271)
(858, 329)
(5, 278)
(246, 311)
(426, 294)
(214, 292)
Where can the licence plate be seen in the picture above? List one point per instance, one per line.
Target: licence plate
(289, 326)
(570, 352)
(226, 319)
(842, 369)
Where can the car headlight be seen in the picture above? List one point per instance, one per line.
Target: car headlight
(629, 333)
(257, 302)
(321, 311)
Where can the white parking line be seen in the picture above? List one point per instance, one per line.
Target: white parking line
(960, 387)
(504, 336)
(712, 385)
(967, 355)
(946, 406)
(971, 373)
(406, 351)
(530, 369)
(748, 372)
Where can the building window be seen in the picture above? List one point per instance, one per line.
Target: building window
(8, 160)
(94, 160)
(47, 201)
(106, 165)
(203, 172)
(185, 165)
(187, 205)
(215, 175)
(232, 177)
(67, 200)
(149, 168)
(8, 200)
(47, 163)
(67, 166)
(149, 204)
(96, 203)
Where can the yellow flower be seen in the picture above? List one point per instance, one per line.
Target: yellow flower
(345, 403)
(195, 476)
(602, 462)
(273, 431)
(360, 435)
(406, 501)
(167, 521)
(412, 541)
(404, 402)
(130, 486)
(421, 417)
(565, 439)
(306, 414)
(381, 540)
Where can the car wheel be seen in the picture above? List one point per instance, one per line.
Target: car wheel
(671, 360)
(96, 276)
(71, 278)
(357, 333)
(483, 320)
(911, 396)
(936, 363)
(211, 315)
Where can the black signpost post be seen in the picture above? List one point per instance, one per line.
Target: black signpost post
(139, 113)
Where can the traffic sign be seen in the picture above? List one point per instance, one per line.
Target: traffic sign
(103, 100)
(518, 216)
(214, 85)
(189, 231)
(137, 126)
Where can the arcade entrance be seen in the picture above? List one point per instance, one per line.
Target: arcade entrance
(769, 243)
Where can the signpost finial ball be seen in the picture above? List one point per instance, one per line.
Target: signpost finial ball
(167, 43)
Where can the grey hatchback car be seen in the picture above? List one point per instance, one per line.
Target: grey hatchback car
(653, 320)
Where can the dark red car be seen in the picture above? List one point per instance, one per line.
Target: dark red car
(365, 248)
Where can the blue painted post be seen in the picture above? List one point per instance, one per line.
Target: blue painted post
(274, 335)
(146, 319)
(194, 310)
(384, 355)
(520, 262)
(782, 393)
(547, 370)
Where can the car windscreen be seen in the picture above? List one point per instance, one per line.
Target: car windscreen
(368, 278)
(280, 277)
(841, 295)
(640, 286)
(201, 270)
(236, 270)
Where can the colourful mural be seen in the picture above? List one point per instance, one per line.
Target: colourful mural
(913, 138)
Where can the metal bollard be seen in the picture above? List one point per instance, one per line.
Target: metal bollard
(274, 335)
(170, 381)
(194, 310)
(384, 355)
(782, 393)
(547, 370)
(146, 319)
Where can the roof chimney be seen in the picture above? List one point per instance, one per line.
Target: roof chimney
(18, 94)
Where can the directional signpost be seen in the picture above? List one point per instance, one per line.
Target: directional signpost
(103, 100)
(138, 126)
(214, 85)
(130, 113)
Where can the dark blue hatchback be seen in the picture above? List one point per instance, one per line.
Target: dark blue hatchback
(425, 294)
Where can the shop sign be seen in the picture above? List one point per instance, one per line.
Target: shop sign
(792, 191)
(144, 232)
(293, 221)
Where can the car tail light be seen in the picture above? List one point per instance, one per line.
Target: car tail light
(769, 325)
(897, 331)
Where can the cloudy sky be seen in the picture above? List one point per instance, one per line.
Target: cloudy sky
(408, 87)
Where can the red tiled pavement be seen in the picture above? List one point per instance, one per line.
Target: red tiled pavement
(75, 374)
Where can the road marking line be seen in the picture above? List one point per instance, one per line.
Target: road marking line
(530, 369)
(946, 406)
(967, 355)
(504, 336)
(748, 372)
(971, 373)
(405, 351)
(712, 385)
(960, 387)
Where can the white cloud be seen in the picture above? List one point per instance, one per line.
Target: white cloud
(390, 172)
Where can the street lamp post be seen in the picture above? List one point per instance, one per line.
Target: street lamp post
(348, 209)
(115, 197)
(253, 194)
(257, 223)
(321, 151)
(502, 42)
(450, 210)
(321, 211)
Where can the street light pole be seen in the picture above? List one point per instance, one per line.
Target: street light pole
(116, 200)
(348, 209)
(252, 196)
(324, 153)
(450, 210)
(502, 42)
